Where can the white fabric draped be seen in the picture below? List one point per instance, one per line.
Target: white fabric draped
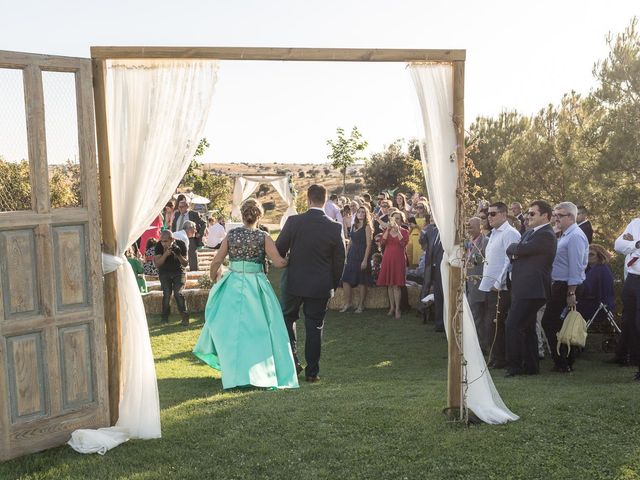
(156, 113)
(246, 185)
(434, 87)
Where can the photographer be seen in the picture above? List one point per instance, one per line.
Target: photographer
(170, 259)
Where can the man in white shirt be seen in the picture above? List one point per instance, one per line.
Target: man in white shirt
(494, 280)
(629, 245)
(332, 210)
(216, 233)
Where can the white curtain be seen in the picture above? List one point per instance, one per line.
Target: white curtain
(246, 185)
(434, 87)
(157, 111)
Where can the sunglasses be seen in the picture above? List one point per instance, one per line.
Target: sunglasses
(493, 214)
(560, 215)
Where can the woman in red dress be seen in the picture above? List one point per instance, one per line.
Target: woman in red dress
(394, 262)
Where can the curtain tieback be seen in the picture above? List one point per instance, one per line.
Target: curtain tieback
(110, 263)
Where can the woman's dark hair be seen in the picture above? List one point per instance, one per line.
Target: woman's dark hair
(169, 204)
(251, 211)
(404, 200)
(367, 219)
(180, 198)
(346, 210)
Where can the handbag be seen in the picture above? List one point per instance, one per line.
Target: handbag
(573, 331)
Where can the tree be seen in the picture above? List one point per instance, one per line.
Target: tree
(396, 168)
(194, 167)
(344, 152)
(15, 186)
(488, 139)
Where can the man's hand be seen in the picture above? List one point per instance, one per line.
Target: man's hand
(628, 237)
(363, 265)
(571, 301)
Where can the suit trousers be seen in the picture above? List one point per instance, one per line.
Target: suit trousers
(314, 310)
(192, 254)
(521, 337)
(631, 316)
(552, 323)
(495, 316)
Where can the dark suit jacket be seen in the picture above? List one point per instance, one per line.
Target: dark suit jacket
(520, 218)
(531, 262)
(588, 230)
(316, 254)
(195, 218)
(434, 253)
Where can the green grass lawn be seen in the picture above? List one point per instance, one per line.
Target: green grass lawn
(376, 414)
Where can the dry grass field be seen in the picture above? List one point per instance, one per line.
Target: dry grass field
(304, 174)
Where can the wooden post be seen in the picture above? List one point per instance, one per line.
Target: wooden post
(109, 244)
(455, 387)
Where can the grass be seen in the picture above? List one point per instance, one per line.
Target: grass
(376, 414)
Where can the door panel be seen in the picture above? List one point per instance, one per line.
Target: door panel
(53, 375)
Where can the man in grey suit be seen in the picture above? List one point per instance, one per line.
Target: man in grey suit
(531, 262)
(431, 244)
(474, 255)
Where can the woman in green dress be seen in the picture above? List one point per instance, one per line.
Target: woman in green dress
(244, 335)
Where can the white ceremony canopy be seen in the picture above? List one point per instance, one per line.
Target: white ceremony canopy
(247, 184)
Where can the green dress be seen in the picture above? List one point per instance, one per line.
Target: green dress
(244, 335)
(138, 269)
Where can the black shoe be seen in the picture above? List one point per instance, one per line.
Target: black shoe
(439, 328)
(562, 369)
(512, 373)
(312, 379)
(637, 376)
(185, 319)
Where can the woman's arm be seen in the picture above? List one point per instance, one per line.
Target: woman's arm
(368, 234)
(272, 252)
(218, 259)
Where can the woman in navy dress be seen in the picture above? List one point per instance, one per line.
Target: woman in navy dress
(356, 271)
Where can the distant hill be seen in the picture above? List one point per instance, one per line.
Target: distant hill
(304, 174)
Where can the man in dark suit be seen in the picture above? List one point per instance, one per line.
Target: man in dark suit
(516, 211)
(182, 215)
(431, 244)
(531, 262)
(584, 223)
(315, 246)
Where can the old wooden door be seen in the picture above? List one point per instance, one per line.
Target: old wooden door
(53, 373)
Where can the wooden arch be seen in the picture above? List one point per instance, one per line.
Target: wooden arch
(99, 56)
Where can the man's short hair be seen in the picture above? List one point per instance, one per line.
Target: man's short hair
(317, 194)
(384, 194)
(516, 204)
(366, 196)
(569, 207)
(582, 209)
(188, 224)
(166, 233)
(501, 206)
(543, 208)
(333, 197)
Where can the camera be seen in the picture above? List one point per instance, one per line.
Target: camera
(175, 249)
(392, 221)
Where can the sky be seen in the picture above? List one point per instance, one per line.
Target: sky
(520, 55)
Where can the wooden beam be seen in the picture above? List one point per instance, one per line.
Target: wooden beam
(455, 387)
(281, 54)
(109, 244)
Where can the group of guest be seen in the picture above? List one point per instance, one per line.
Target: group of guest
(382, 242)
(525, 271)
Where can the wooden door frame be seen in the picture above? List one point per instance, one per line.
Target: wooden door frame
(99, 56)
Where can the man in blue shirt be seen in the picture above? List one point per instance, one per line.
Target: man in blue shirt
(567, 274)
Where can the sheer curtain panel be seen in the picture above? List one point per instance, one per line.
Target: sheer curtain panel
(434, 88)
(156, 113)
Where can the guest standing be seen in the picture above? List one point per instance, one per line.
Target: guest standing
(171, 258)
(357, 269)
(394, 261)
(567, 275)
(531, 262)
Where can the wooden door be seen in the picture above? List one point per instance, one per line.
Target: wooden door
(53, 374)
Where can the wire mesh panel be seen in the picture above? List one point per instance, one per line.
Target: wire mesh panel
(15, 182)
(61, 127)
